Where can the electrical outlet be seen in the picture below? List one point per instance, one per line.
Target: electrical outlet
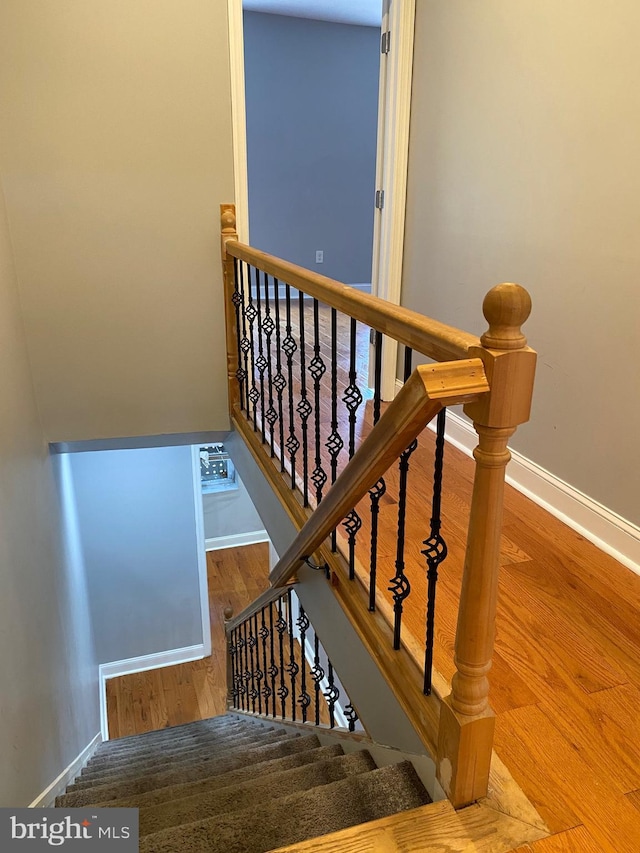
(319, 256)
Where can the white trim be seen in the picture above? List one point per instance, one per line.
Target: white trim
(393, 135)
(47, 798)
(203, 580)
(605, 529)
(116, 668)
(238, 118)
(236, 540)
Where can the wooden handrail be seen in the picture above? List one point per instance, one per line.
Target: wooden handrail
(428, 389)
(266, 597)
(429, 337)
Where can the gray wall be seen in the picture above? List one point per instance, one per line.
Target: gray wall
(136, 517)
(49, 708)
(312, 92)
(230, 513)
(524, 166)
(115, 132)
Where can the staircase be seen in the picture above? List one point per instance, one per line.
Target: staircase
(227, 785)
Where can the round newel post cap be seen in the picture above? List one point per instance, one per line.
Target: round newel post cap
(228, 614)
(505, 307)
(228, 217)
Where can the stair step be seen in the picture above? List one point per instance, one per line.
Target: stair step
(233, 777)
(159, 736)
(299, 816)
(246, 794)
(103, 793)
(204, 751)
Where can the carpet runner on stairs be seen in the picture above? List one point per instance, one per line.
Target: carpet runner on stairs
(236, 786)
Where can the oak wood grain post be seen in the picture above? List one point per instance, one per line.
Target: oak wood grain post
(228, 616)
(465, 736)
(228, 232)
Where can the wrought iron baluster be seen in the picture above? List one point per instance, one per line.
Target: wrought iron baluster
(258, 671)
(352, 716)
(436, 550)
(246, 677)
(292, 668)
(237, 300)
(331, 695)
(273, 669)
(261, 361)
(304, 407)
(251, 314)
(380, 487)
(232, 662)
(289, 346)
(317, 674)
(304, 700)
(399, 584)
(245, 345)
(283, 690)
(264, 635)
(279, 382)
(268, 327)
(317, 369)
(334, 443)
(251, 642)
(352, 399)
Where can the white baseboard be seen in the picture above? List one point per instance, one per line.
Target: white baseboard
(141, 664)
(47, 798)
(235, 541)
(605, 529)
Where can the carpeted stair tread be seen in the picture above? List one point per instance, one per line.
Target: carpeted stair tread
(77, 797)
(297, 817)
(218, 724)
(246, 794)
(161, 759)
(159, 737)
(233, 777)
(203, 756)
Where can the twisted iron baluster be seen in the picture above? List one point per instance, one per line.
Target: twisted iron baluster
(246, 676)
(334, 443)
(245, 345)
(331, 695)
(237, 300)
(268, 327)
(304, 407)
(251, 642)
(317, 674)
(317, 369)
(279, 382)
(380, 487)
(261, 361)
(352, 716)
(304, 700)
(251, 314)
(232, 662)
(352, 399)
(436, 550)
(273, 669)
(399, 584)
(266, 690)
(283, 690)
(289, 346)
(292, 668)
(258, 671)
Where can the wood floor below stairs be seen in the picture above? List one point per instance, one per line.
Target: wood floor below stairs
(565, 680)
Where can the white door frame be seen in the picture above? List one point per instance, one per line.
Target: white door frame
(394, 100)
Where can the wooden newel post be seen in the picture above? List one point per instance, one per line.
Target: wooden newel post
(467, 722)
(228, 232)
(228, 616)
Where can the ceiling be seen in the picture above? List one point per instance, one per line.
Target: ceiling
(363, 12)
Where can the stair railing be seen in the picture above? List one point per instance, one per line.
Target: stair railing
(289, 332)
(278, 667)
